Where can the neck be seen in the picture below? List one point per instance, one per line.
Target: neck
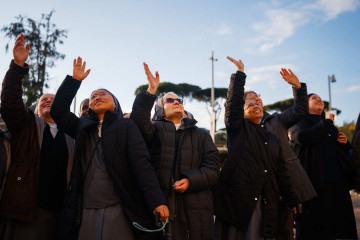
(101, 116)
(174, 120)
(49, 120)
(254, 120)
(315, 111)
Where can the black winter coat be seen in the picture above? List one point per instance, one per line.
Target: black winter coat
(196, 155)
(356, 159)
(20, 191)
(308, 136)
(126, 159)
(278, 124)
(255, 166)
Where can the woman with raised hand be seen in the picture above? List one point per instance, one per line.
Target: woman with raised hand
(113, 183)
(247, 196)
(185, 159)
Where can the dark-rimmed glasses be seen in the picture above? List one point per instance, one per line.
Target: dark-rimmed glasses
(172, 100)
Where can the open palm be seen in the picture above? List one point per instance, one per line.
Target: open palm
(154, 81)
(20, 51)
(79, 72)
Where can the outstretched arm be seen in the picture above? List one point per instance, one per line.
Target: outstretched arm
(13, 110)
(60, 108)
(144, 101)
(234, 107)
(292, 115)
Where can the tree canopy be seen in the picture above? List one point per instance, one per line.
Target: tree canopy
(44, 39)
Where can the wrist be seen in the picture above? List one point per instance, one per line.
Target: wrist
(19, 63)
(297, 85)
(151, 90)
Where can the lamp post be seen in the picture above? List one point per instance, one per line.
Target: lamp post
(331, 79)
(212, 115)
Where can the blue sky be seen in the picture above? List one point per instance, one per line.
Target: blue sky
(314, 38)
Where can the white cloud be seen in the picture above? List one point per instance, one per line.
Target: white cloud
(353, 88)
(333, 8)
(224, 30)
(267, 74)
(282, 23)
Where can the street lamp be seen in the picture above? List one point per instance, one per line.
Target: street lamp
(212, 115)
(331, 79)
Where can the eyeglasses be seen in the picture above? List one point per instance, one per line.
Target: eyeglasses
(172, 100)
(252, 103)
(101, 94)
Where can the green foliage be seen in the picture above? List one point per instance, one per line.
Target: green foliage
(204, 95)
(348, 128)
(44, 39)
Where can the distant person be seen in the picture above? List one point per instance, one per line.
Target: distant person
(113, 183)
(185, 159)
(324, 153)
(84, 107)
(247, 196)
(41, 160)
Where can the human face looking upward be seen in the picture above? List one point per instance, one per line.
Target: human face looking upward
(174, 111)
(253, 108)
(44, 105)
(316, 105)
(84, 107)
(100, 102)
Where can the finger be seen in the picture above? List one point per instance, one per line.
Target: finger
(27, 47)
(285, 71)
(79, 60)
(230, 58)
(291, 72)
(83, 66)
(157, 74)
(147, 70)
(87, 73)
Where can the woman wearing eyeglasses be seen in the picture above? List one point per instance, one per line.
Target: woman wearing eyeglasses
(247, 196)
(113, 184)
(185, 159)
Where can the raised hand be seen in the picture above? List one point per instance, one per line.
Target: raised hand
(154, 81)
(238, 63)
(290, 78)
(21, 52)
(79, 72)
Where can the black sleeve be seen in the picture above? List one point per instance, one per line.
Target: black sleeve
(303, 134)
(140, 162)
(13, 110)
(60, 108)
(301, 107)
(141, 113)
(208, 173)
(234, 106)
